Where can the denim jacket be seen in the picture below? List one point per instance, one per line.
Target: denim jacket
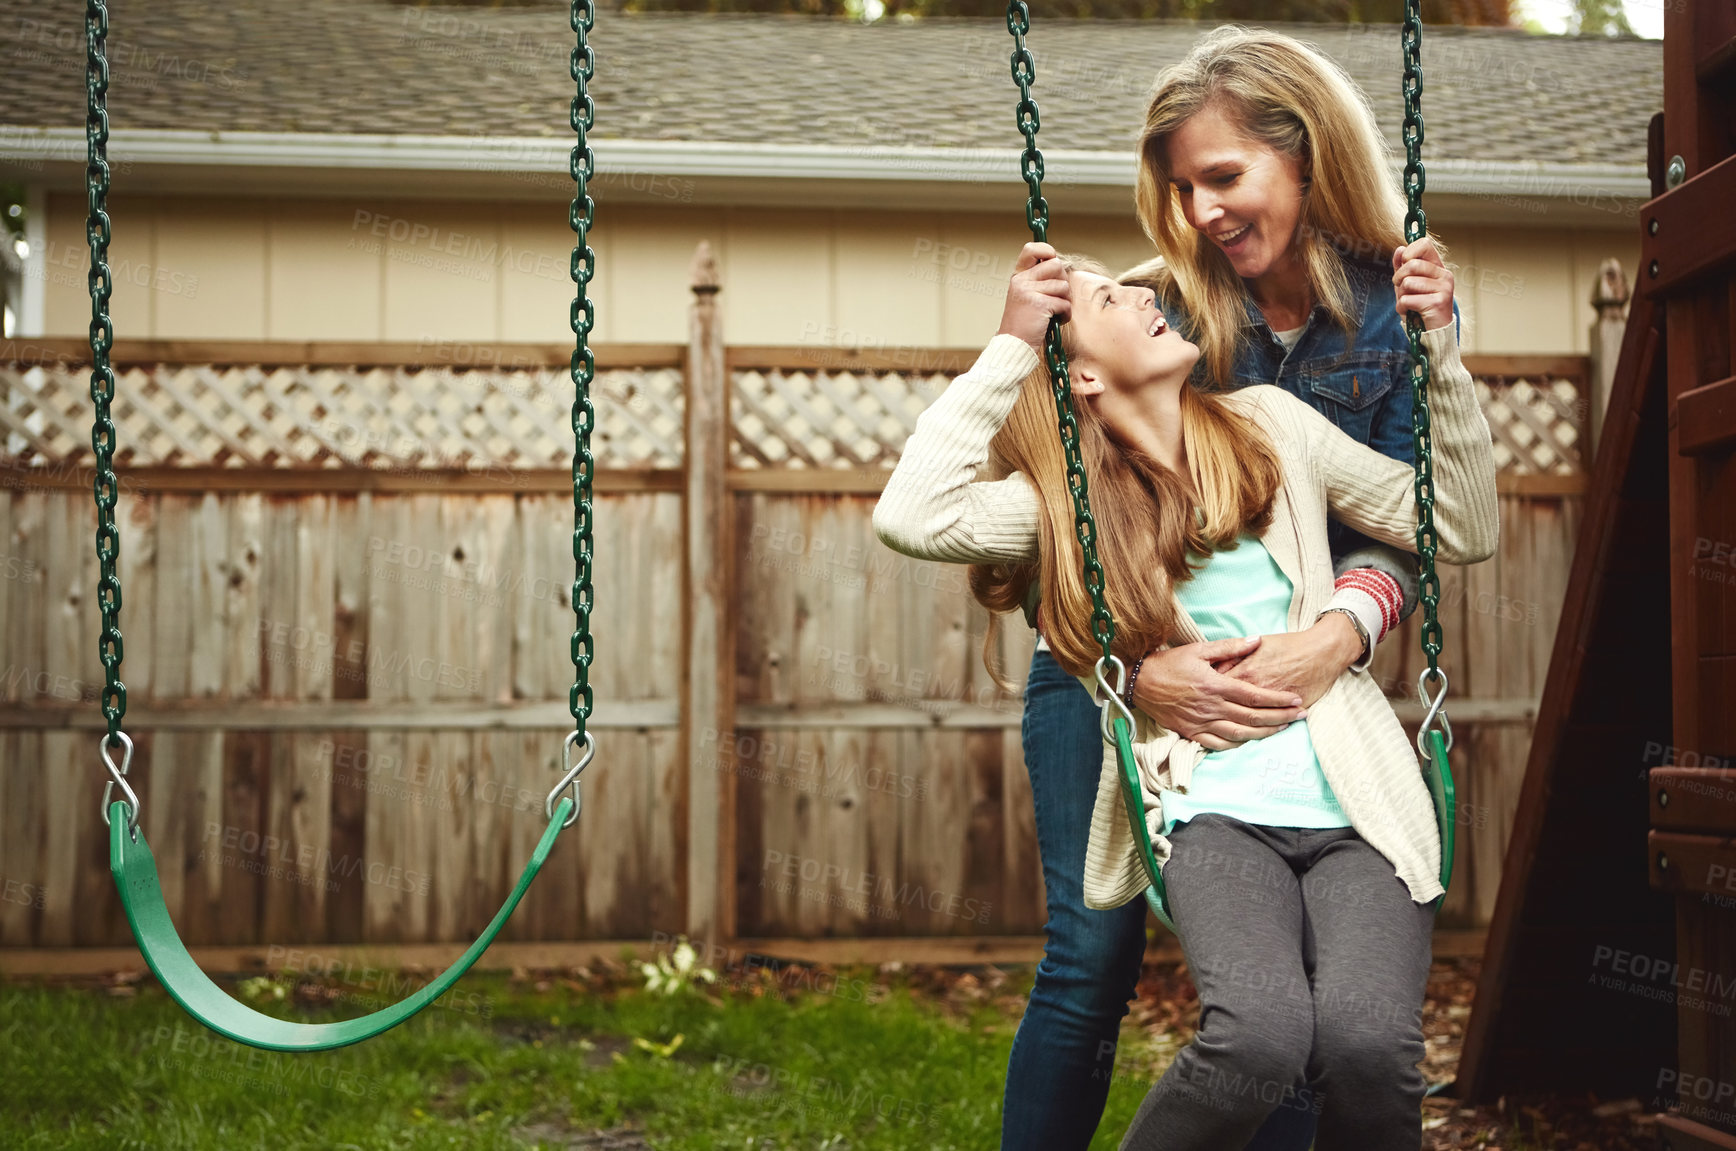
(1362, 385)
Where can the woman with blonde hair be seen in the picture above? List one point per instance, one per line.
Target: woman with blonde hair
(1263, 185)
(1302, 869)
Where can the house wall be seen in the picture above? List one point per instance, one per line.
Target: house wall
(361, 269)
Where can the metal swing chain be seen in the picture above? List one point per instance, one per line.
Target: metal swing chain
(584, 367)
(104, 485)
(1024, 70)
(102, 392)
(1416, 226)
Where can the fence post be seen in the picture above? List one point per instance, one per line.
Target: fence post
(1610, 298)
(708, 721)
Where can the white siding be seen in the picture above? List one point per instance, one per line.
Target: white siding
(325, 281)
(420, 270)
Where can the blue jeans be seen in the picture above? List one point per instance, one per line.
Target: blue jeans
(1063, 1057)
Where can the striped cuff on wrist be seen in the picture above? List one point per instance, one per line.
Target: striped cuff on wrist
(1373, 595)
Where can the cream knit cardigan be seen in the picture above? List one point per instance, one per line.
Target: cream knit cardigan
(933, 509)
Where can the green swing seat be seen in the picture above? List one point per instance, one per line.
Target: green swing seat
(135, 874)
(1437, 774)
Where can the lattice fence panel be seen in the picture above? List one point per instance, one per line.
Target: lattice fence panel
(200, 415)
(1537, 425)
(195, 415)
(789, 419)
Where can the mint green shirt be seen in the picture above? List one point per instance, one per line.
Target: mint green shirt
(1275, 781)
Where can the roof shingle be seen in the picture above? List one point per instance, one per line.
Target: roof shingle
(367, 66)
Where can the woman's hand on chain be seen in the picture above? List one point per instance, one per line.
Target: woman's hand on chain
(1038, 290)
(1422, 284)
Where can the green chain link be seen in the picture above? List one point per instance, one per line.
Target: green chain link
(102, 380)
(1416, 226)
(102, 376)
(584, 362)
(1037, 216)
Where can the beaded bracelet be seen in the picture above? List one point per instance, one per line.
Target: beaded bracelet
(1132, 678)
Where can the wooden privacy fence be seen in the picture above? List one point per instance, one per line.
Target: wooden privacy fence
(347, 571)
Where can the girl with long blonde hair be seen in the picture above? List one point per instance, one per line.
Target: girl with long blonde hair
(1150, 518)
(1302, 868)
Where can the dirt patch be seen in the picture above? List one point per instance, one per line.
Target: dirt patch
(1566, 1122)
(558, 1135)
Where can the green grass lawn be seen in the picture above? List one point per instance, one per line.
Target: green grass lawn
(509, 1063)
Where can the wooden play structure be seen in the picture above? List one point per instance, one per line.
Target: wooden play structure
(1611, 959)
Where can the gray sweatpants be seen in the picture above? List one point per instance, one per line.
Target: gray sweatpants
(1310, 958)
